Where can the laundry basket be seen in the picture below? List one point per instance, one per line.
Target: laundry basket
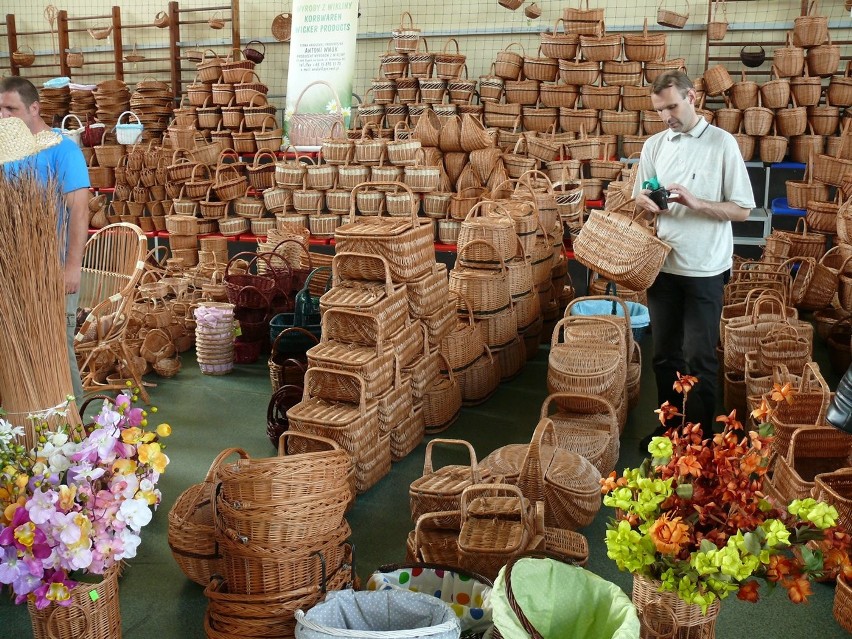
(558, 599)
(467, 593)
(383, 614)
(640, 319)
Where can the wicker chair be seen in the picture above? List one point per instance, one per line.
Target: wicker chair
(113, 261)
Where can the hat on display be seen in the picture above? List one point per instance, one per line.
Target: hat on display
(17, 142)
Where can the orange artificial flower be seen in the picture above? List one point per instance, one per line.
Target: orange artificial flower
(798, 589)
(608, 483)
(748, 591)
(779, 567)
(783, 393)
(684, 383)
(762, 412)
(669, 535)
(665, 412)
(688, 465)
(730, 420)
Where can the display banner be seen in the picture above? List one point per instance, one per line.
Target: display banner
(322, 48)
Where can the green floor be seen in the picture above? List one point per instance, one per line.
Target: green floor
(208, 414)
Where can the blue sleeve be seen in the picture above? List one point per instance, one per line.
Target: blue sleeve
(69, 166)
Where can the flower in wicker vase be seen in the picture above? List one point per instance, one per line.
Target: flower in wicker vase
(74, 505)
(694, 520)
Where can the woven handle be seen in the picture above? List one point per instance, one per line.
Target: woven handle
(474, 465)
(531, 475)
(594, 399)
(282, 440)
(510, 593)
(615, 300)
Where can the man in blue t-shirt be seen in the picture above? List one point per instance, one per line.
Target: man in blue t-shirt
(65, 164)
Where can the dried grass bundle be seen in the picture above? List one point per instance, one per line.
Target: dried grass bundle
(34, 368)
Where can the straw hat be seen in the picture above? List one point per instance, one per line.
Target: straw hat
(17, 142)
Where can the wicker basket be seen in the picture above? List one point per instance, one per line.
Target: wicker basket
(645, 47)
(672, 19)
(309, 129)
(810, 30)
(789, 61)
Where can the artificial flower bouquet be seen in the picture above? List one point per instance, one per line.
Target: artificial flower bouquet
(694, 516)
(75, 504)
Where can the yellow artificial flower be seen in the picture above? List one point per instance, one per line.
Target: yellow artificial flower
(66, 497)
(124, 466)
(164, 430)
(131, 435)
(152, 455)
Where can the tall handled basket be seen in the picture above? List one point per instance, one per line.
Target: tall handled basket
(309, 129)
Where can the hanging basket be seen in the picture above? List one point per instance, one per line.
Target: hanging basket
(673, 19)
(22, 57)
(281, 27)
(716, 28)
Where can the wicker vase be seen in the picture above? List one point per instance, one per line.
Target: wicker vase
(93, 613)
(664, 614)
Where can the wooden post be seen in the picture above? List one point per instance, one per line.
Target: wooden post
(64, 43)
(174, 50)
(12, 35)
(235, 24)
(118, 54)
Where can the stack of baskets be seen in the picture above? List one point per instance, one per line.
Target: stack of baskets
(588, 358)
(282, 536)
(407, 245)
(214, 337)
(368, 365)
(462, 518)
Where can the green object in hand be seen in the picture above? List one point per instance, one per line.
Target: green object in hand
(651, 183)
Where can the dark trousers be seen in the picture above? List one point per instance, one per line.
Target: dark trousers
(685, 314)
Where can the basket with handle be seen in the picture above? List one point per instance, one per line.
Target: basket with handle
(601, 47)
(588, 21)
(810, 29)
(405, 36)
(792, 121)
(497, 522)
(789, 60)
(799, 193)
(823, 60)
(644, 47)
(442, 399)
(782, 345)
(128, 133)
(812, 450)
(621, 248)
(559, 46)
(834, 170)
(191, 529)
(808, 410)
(567, 482)
(717, 28)
(309, 129)
(406, 243)
(23, 56)
(587, 426)
(670, 18)
(448, 65)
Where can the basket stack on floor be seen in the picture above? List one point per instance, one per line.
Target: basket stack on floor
(266, 536)
(373, 381)
(465, 518)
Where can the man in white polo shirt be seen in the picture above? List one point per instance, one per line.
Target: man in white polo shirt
(701, 167)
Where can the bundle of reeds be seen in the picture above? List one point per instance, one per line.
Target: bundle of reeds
(34, 370)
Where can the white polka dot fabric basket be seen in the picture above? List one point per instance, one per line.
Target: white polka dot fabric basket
(378, 614)
(468, 595)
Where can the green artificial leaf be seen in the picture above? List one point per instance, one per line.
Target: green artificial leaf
(707, 545)
(752, 543)
(684, 491)
(812, 559)
(766, 429)
(764, 506)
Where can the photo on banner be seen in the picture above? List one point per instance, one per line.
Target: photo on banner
(321, 70)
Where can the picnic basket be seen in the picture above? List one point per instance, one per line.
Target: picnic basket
(621, 248)
(309, 129)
